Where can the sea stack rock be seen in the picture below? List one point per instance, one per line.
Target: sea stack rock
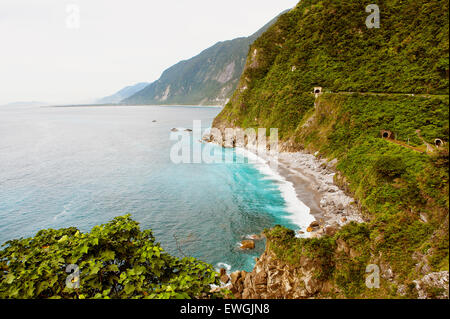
(223, 276)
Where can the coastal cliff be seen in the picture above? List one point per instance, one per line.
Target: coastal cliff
(321, 270)
(379, 116)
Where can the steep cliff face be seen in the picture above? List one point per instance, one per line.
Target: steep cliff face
(275, 279)
(327, 43)
(393, 80)
(209, 78)
(319, 271)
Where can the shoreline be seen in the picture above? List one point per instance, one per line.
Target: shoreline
(313, 181)
(299, 212)
(314, 177)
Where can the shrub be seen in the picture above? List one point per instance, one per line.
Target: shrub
(390, 166)
(115, 260)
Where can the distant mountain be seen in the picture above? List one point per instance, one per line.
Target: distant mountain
(123, 94)
(26, 103)
(209, 78)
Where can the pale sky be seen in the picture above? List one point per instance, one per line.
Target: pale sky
(45, 57)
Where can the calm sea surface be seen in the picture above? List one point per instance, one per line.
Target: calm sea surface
(82, 166)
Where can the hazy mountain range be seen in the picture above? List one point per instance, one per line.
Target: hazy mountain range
(123, 93)
(25, 103)
(209, 78)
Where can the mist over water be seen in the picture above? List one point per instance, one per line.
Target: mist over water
(82, 166)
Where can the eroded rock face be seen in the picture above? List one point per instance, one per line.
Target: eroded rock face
(237, 283)
(433, 285)
(274, 279)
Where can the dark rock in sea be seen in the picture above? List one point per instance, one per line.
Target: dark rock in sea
(207, 138)
(247, 244)
(224, 276)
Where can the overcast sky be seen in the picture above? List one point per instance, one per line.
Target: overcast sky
(47, 56)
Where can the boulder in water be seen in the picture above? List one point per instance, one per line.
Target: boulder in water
(224, 276)
(247, 244)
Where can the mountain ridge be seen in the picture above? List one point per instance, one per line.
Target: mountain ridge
(208, 78)
(122, 93)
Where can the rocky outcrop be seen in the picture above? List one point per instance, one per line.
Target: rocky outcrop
(274, 279)
(433, 285)
(224, 278)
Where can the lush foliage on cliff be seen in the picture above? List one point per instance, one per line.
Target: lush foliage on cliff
(400, 72)
(401, 188)
(115, 260)
(326, 43)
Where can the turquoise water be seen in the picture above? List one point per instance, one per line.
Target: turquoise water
(82, 166)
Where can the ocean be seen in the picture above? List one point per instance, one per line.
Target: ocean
(83, 166)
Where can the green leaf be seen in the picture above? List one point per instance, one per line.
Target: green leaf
(108, 255)
(129, 288)
(63, 239)
(112, 267)
(10, 278)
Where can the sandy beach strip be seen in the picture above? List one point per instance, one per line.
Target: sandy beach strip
(314, 184)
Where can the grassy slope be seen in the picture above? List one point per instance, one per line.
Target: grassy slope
(330, 46)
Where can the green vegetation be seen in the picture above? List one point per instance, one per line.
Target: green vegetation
(291, 250)
(400, 73)
(329, 45)
(115, 260)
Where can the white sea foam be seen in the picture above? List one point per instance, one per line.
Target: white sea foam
(218, 267)
(64, 213)
(223, 265)
(300, 214)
